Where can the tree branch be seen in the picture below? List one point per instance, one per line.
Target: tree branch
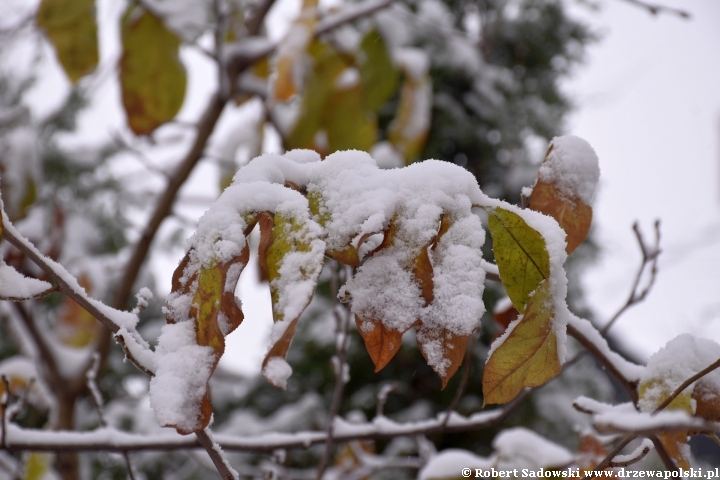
(649, 256)
(656, 9)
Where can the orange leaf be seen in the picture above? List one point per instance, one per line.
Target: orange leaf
(574, 216)
(381, 342)
(447, 359)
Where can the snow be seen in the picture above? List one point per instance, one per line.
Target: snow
(680, 359)
(449, 463)
(624, 418)
(277, 371)
(572, 166)
(180, 381)
(187, 18)
(522, 448)
(16, 286)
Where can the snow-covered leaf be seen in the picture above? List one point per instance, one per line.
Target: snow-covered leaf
(528, 353)
(71, 28)
(152, 78)
(520, 253)
(566, 182)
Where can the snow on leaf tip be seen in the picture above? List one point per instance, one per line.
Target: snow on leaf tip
(528, 355)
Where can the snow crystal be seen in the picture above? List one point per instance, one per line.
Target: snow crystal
(180, 381)
(573, 166)
(680, 359)
(277, 371)
(522, 448)
(15, 285)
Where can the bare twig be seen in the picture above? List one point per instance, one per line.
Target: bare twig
(656, 9)
(342, 324)
(630, 387)
(257, 16)
(382, 397)
(4, 402)
(649, 257)
(91, 375)
(605, 462)
(50, 290)
(632, 458)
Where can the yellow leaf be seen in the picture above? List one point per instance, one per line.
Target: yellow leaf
(289, 238)
(571, 213)
(520, 253)
(75, 326)
(528, 357)
(37, 466)
(408, 130)
(348, 125)
(379, 76)
(291, 50)
(673, 440)
(152, 78)
(71, 28)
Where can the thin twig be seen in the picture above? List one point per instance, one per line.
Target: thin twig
(50, 290)
(632, 458)
(213, 449)
(15, 409)
(91, 375)
(4, 402)
(342, 322)
(649, 256)
(656, 9)
(257, 16)
(382, 397)
(128, 466)
(605, 462)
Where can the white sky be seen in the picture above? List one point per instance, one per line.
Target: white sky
(649, 103)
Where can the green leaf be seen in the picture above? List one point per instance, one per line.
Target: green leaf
(152, 78)
(71, 28)
(327, 65)
(379, 76)
(520, 253)
(348, 125)
(528, 357)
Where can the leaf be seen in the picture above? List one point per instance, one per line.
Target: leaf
(381, 342)
(707, 400)
(293, 267)
(520, 253)
(573, 216)
(71, 28)
(37, 466)
(327, 65)
(408, 130)
(291, 49)
(348, 125)
(379, 76)
(75, 326)
(152, 78)
(528, 357)
(673, 440)
(449, 347)
(214, 310)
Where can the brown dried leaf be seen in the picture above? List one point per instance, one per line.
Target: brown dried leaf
(75, 326)
(707, 401)
(574, 216)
